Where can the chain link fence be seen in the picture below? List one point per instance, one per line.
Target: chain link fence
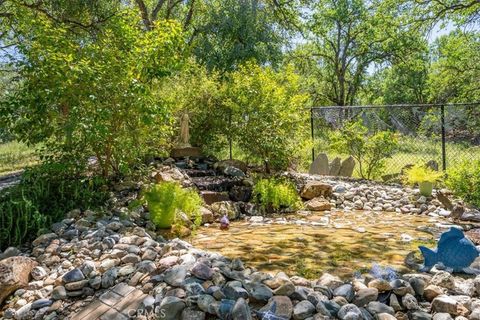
(443, 135)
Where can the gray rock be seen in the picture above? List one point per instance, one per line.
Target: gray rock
(241, 311)
(285, 289)
(205, 303)
(87, 267)
(331, 306)
(73, 276)
(59, 293)
(109, 277)
(38, 273)
(418, 285)
(365, 296)
(202, 271)
(176, 276)
(283, 306)
(234, 293)
(194, 289)
(335, 166)
(350, 312)
(409, 302)
(77, 285)
(345, 291)
(442, 316)
(192, 314)
(23, 312)
(301, 293)
(303, 310)
(95, 282)
(9, 252)
(376, 307)
(171, 307)
(41, 303)
(346, 169)
(260, 292)
(420, 315)
(320, 165)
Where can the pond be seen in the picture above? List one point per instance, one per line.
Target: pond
(340, 243)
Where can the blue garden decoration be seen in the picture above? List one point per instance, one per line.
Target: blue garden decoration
(454, 253)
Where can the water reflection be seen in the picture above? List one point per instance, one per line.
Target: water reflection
(339, 242)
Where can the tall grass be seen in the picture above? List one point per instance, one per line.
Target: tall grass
(43, 197)
(15, 156)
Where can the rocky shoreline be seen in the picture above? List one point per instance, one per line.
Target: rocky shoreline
(88, 253)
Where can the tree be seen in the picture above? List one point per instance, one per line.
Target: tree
(92, 96)
(346, 38)
(455, 72)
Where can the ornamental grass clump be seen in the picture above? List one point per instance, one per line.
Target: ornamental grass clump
(424, 176)
(167, 200)
(275, 194)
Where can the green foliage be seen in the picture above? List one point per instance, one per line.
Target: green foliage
(370, 151)
(421, 173)
(274, 194)
(167, 199)
(268, 120)
(15, 156)
(464, 180)
(84, 95)
(44, 195)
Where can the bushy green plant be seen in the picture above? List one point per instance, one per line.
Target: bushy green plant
(165, 200)
(421, 173)
(464, 180)
(44, 195)
(274, 194)
(370, 151)
(85, 95)
(268, 121)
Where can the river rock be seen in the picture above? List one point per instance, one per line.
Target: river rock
(241, 310)
(345, 291)
(303, 310)
(14, 273)
(73, 276)
(365, 296)
(315, 189)
(320, 165)
(172, 308)
(192, 314)
(442, 316)
(318, 204)
(175, 276)
(446, 304)
(350, 312)
(347, 166)
(283, 306)
(432, 291)
(205, 303)
(202, 271)
(376, 307)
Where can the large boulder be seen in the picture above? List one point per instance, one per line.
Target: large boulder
(320, 165)
(14, 274)
(347, 166)
(315, 189)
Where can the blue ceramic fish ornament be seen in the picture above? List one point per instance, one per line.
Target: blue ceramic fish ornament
(454, 253)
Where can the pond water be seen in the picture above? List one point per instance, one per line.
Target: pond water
(340, 243)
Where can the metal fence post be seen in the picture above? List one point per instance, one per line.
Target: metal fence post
(444, 150)
(312, 132)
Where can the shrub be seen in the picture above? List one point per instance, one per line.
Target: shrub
(274, 194)
(464, 180)
(165, 200)
(370, 151)
(269, 122)
(83, 95)
(44, 195)
(421, 173)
